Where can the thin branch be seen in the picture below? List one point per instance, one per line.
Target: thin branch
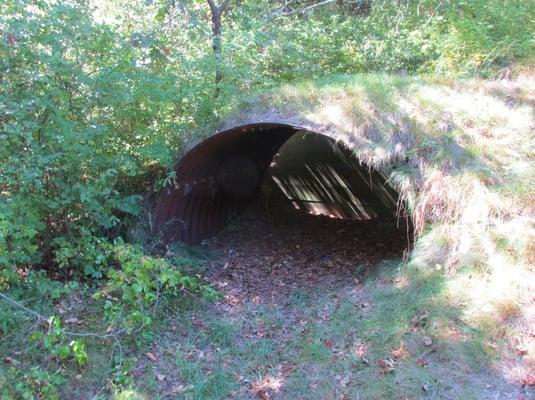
(304, 10)
(22, 306)
(155, 306)
(212, 5)
(44, 320)
(218, 9)
(224, 5)
(97, 335)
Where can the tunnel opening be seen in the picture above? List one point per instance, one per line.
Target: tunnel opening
(277, 171)
(283, 209)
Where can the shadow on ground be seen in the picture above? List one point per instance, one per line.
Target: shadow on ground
(317, 308)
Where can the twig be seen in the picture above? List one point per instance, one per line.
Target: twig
(155, 306)
(22, 306)
(304, 10)
(44, 320)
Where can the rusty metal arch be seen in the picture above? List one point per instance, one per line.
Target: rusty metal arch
(218, 177)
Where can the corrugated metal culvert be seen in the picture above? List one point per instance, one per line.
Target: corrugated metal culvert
(219, 178)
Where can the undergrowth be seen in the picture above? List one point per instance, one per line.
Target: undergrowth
(93, 112)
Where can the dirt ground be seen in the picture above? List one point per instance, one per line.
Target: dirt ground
(265, 256)
(318, 308)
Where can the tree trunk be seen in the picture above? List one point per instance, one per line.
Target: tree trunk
(217, 14)
(216, 47)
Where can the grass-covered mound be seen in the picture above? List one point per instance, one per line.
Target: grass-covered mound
(462, 155)
(455, 319)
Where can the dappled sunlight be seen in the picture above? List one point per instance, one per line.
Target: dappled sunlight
(130, 394)
(333, 113)
(183, 217)
(269, 383)
(496, 297)
(334, 185)
(487, 293)
(401, 282)
(479, 107)
(482, 230)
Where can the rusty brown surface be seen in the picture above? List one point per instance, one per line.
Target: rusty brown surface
(218, 178)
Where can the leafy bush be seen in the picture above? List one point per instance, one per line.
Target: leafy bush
(135, 288)
(83, 124)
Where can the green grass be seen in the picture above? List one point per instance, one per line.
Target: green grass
(310, 349)
(457, 308)
(318, 343)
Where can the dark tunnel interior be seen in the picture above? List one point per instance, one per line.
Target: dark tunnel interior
(282, 165)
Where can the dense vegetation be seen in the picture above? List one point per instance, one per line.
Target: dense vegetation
(97, 99)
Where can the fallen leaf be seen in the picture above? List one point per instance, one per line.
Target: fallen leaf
(422, 362)
(400, 352)
(387, 364)
(260, 391)
(288, 369)
(151, 357)
(427, 341)
(11, 361)
(329, 344)
(160, 377)
(263, 394)
(361, 349)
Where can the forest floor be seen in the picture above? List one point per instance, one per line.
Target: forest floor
(318, 308)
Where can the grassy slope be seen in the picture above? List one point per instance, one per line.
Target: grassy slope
(469, 179)
(468, 286)
(462, 154)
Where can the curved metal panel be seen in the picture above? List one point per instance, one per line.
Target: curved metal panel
(218, 178)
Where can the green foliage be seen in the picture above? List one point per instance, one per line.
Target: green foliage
(95, 103)
(84, 122)
(36, 384)
(91, 113)
(134, 289)
(454, 37)
(56, 342)
(39, 382)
